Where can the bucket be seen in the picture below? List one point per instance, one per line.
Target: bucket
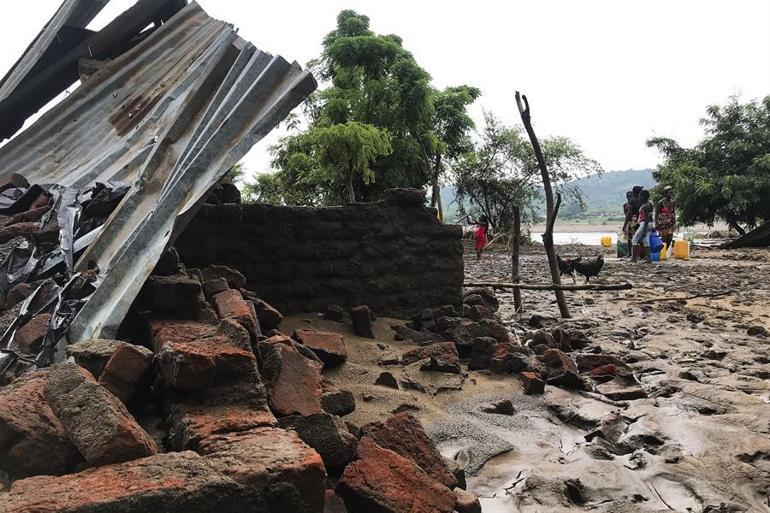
(623, 249)
(682, 250)
(606, 241)
(655, 257)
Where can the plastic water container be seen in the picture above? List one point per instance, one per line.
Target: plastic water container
(682, 249)
(663, 252)
(655, 257)
(606, 241)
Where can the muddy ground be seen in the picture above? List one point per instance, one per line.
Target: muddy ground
(698, 443)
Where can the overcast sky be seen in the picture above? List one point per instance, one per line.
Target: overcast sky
(607, 74)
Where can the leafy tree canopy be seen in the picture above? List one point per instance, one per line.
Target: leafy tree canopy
(376, 83)
(727, 175)
(501, 171)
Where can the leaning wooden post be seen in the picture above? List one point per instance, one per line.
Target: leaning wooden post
(515, 246)
(551, 209)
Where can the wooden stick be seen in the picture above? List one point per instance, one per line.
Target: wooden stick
(551, 209)
(548, 286)
(694, 296)
(515, 250)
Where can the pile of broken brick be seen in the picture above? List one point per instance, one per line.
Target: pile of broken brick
(540, 356)
(210, 408)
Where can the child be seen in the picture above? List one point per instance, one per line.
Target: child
(482, 230)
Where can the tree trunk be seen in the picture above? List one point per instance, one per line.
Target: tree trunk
(515, 248)
(351, 190)
(735, 226)
(551, 209)
(435, 199)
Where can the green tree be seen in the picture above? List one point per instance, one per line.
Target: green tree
(375, 82)
(727, 175)
(502, 171)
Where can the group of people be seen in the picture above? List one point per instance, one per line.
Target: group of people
(642, 219)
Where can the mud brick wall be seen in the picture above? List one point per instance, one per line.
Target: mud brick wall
(392, 255)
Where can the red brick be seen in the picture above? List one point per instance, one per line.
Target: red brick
(382, 480)
(29, 338)
(199, 365)
(532, 383)
(443, 351)
(404, 434)
(124, 370)
(329, 347)
(264, 459)
(169, 483)
(32, 439)
(94, 419)
(190, 427)
(293, 381)
(230, 304)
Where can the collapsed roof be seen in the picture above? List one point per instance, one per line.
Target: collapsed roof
(168, 111)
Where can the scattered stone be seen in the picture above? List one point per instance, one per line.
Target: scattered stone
(327, 435)
(189, 426)
(481, 296)
(340, 402)
(32, 439)
(422, 337)
(443, 351)
(214, 286)
(696, 317)
(231, 305)
(434, 364)
(495, 330)
(269, 318)
(621, 389)
(29, 338)
(124, 370)
(501, 407)
(271, 463)
(587, 362)
(235, 279)
(95, 420)
(93, 354)
(172, 482)
(477, 312)
(466, 502)
(293, 381)
(334, 313)
(168, 263)
(481, 353)
(328, 347)
(512, 359)
(757, 331)
(201, 364)
(18, 294)
(387, 379)
(362, 321)
(404, 434)
(383, 481)
(542, 321)
(461, 331)
(532, 383)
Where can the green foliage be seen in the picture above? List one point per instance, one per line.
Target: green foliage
(727, 175)
(502, 171)
(402, 124)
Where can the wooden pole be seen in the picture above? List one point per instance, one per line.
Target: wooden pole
(515, 248)
(549, 286)
(551, 209)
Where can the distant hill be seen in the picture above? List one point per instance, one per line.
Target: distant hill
(604, 195)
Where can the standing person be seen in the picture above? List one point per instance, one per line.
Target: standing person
(665, 216)
(482, 230)
(642, 236)
(626, 207)
(631, 223)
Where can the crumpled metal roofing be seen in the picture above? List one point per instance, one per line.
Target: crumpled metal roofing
(168, 117)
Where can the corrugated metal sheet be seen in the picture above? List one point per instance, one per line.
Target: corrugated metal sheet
(72, 13)
(169, 117)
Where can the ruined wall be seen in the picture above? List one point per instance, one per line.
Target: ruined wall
(392, 255)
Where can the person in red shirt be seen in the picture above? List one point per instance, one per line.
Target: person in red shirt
(482, 232)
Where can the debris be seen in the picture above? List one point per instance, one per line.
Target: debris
(327, 435)
(328, 347)
(466, 502)
(94, 354)
(293, 381)
(334, 313)
(445, 352)
(386, 379)
(124, 369)
(532, 383)
(362, 321)
(404, 434)
(381, 480)
(340, 402)
(501, 407)
(95, 420)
